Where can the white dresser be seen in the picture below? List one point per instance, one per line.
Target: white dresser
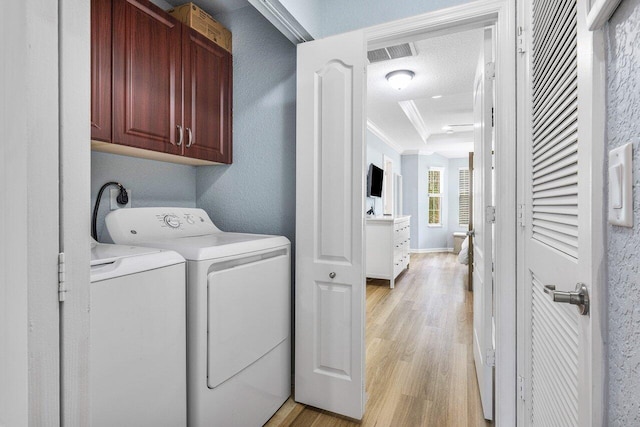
(388, 240)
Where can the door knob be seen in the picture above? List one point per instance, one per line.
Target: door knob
(579, 298)
(332, 275)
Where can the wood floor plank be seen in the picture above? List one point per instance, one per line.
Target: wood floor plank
(419, 356)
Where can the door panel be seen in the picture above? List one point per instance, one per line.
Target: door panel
(483, 228)
(207, 98)
(330, 281)
(147, 77)
(558, 234)
(101, 70)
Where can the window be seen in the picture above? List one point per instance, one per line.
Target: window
(463, 196)
(435, 196)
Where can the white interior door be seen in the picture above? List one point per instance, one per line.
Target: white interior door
(330, 278)
(483, 343)
(562, 219)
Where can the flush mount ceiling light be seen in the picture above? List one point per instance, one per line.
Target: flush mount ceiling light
(436, 96)
(399, 79)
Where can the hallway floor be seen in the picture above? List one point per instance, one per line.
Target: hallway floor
(419, 368)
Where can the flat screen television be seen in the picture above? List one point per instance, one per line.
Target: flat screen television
(374, 181)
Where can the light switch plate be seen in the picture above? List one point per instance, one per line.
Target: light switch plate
(113, 195)
(621, 186)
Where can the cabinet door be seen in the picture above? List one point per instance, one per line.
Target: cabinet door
(101, 70)
(207, 98)
(147, 78)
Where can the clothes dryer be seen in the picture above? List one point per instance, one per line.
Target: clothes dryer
(238, 312)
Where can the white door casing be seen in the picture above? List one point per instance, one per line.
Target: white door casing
(561, 238)
(75, 214)
(388, 187)
(330, 278)
(483, 347)
(474, 15)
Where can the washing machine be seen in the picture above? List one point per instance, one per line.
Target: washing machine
(137, 355)
(238, 312)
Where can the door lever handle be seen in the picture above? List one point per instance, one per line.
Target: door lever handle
(471, 233)
(579, 297)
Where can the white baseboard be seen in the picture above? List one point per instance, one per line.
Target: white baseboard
(430, 250)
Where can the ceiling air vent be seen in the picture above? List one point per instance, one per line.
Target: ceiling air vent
(392, 52)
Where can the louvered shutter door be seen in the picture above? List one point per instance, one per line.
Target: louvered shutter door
(555, 125)
(554, 210)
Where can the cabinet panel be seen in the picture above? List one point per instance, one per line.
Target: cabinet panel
(147, 77)
(101, 70)
(207, 98)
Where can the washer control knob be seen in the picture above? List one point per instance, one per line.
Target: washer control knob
(172, 221)
(189, 219)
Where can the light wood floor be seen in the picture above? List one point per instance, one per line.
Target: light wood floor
(419, 366)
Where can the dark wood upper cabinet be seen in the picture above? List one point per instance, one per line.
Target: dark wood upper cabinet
(147, 77)
(207, 98)
(160, 90)
(101, 70)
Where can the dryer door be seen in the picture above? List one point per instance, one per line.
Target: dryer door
(248, 312)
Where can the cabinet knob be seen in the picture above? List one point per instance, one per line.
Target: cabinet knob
(180, 135)
(332, 275)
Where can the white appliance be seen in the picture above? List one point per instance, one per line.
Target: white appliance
(137, 356)
(238, 312)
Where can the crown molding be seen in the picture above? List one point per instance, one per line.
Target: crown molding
(413, 114)
(374, 129)
(284, 21)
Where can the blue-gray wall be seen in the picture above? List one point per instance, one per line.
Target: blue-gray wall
(256, 193)
(410, 196)
(415, 170)
(152, 183)
(623, 254)
(376, 150)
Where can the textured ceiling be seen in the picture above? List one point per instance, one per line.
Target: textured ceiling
(444, 65)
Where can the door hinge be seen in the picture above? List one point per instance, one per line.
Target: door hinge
(490, 214)
(521, 47)
(490, 360)
(490, 69)
(521, 387)
(521, 219)
(62, 277)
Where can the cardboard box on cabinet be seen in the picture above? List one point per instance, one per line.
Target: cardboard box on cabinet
(196, 18)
